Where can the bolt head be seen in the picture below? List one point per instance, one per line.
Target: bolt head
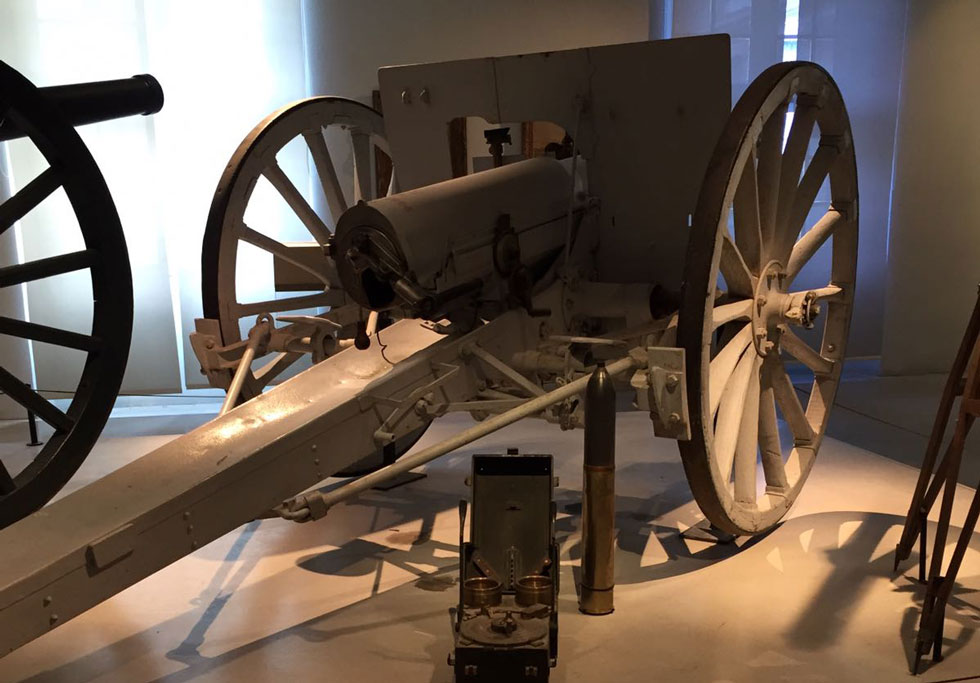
(674, 418)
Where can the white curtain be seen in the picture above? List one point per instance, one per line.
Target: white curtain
(223, 65)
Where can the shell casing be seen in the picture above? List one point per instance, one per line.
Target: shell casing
(598, 540)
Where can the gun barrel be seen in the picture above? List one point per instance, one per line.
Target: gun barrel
(83, 103)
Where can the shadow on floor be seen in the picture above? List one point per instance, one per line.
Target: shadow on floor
(825, 620)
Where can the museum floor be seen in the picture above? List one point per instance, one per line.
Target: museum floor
(364, 595)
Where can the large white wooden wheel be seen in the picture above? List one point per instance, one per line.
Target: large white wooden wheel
(227, 229)
(755, 433)
(332, 129)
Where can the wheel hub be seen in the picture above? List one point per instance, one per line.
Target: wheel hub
(775, 308)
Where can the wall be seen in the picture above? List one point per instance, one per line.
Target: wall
(348, 41)
(934, 250)
(866, 63)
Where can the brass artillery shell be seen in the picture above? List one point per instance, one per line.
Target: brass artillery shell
(599, 495)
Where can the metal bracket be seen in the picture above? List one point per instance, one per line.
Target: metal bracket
(205, 342)
(303, 334)
(705, 531)
(112, 547)
(418, 400)
(500, 366)
(661, 389)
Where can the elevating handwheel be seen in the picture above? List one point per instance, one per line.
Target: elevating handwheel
(763, 351)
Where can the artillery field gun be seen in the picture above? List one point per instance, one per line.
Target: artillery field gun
(672, 245)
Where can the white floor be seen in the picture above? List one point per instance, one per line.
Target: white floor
(364, 595)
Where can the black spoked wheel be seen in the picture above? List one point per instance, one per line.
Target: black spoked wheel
(106, 347)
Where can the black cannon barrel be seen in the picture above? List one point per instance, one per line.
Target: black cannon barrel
(83, 103)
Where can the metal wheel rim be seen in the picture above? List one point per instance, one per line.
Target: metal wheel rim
(112, 289)
(732, 501)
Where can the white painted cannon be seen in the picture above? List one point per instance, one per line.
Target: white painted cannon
(681, 243)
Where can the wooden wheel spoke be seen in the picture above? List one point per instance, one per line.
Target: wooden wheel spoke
(363, 166)
(794, 154)
(770, 449)
(769, 150)
(734, 269)
(47, 267)
(7, 484)
(292, 303)
(828, 293)
(276, 367)
(723, 365)
(257, 239)
(730, 412)
(334, 131)
(806, 194)
(28, 197)
(49, 335)
(748, 233)
(392, 184)
(811, 241)
(284, 186)
(746, 451)
(327, 173)
(789, 403)
(34, 402)
(726, 313)
(802, 352)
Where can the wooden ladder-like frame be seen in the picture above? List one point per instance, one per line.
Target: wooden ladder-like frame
(963, 381)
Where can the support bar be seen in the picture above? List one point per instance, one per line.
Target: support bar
(324, 501)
